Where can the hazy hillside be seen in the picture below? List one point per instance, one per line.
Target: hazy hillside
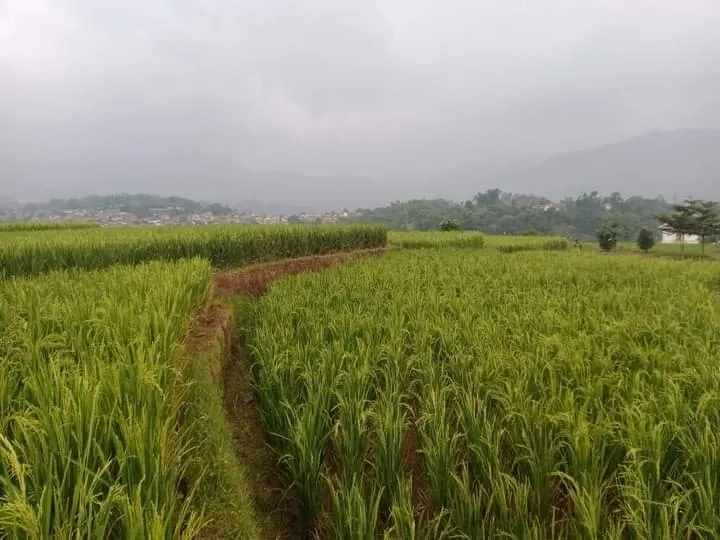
(300, 192)
(671, 164)
(675, 163)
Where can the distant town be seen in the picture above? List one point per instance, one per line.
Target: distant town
(118, 211)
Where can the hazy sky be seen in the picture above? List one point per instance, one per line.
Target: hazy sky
(184, 95)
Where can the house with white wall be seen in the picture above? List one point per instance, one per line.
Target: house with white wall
(679, 238)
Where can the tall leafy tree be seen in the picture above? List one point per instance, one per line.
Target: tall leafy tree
(706, 221)
(607, 235)
(679, 221)
(645, 239)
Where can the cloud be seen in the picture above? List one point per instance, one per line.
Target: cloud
(108, 96)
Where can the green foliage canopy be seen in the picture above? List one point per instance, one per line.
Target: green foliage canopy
(495, 212)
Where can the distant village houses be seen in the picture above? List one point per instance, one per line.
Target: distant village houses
(168, 215)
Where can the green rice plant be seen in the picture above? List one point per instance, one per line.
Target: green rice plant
(390, 424)
(703, 451)
(467, 505)
(514, 244)
(309, 425)
(561, 394)
(303, 460)
(355, 510)
(30, 226)
(402, 513)
(440, 444)
(482, 441)
(589, 479)
(672, 250)
(349, 434)
(90, 443)
(536, 454)
(509, 515)
(224, 246)
(404, 522)
(436, 239)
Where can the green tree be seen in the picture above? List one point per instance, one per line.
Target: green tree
(645, 239)
(706, 221)
(607, 235)
(495, 212)
(449, 225)
(679, 221)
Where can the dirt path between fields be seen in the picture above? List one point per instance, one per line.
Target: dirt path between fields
(254, 280)
(276, 510)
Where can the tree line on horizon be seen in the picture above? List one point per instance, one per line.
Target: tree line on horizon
(498, 212)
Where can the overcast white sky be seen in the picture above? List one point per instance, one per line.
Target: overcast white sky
(174, 96)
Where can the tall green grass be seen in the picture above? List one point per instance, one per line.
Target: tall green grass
(30, 226)
(514, 244)
(436, 239)
(548, 395)
(224, 246)
(90, 390)
(474, 239)
(679, 249)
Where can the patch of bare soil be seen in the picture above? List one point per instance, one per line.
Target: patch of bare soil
(254, 280)
(214, 319)
(414, 466)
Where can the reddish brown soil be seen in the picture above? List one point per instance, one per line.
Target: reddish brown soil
(215, 318)
(414, 466)
(254, 280)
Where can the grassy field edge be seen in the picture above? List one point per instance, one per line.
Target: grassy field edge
(220, 482)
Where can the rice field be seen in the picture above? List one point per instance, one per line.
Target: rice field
(109, 426)
(442, 394)
(690, 250)
(436, 239)
(513, 244)
(523, 390)
(474, 239)
(35, 252)
(29, 226)
(89, 402)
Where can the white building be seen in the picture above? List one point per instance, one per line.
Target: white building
(677, 238)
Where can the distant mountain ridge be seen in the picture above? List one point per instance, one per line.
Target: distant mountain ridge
(671, 163)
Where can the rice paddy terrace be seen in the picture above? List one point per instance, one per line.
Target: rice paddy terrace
(343, 382)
